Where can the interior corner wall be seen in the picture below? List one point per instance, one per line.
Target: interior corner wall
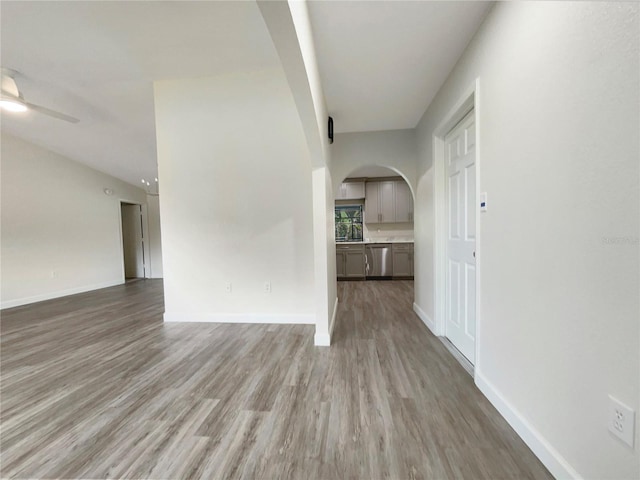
(387, 148)
(236, 202)
(558, 121)
(304, 33)
(324, 256)
(60, 232)
(154, 236)
(323, 211)
(330, 238)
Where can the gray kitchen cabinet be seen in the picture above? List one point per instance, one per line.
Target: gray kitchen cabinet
(388, 201)
(350, 261)
(350, 191)
(403, 202)
(371, 203)
(354, 264)
(386, 194)
(340, 263)
(402, 259)
(379, 202)
(354, 190)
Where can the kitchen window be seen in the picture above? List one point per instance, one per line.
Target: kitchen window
(348, 223)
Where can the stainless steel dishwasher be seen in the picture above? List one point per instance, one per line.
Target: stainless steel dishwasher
(378, 260)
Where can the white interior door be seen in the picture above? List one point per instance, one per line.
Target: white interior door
(460, 324)
(132, 241)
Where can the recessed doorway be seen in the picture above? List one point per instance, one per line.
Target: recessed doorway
(460, 188)
(133, 251)
(374, 226)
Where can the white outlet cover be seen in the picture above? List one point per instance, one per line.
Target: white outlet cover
(622, 421)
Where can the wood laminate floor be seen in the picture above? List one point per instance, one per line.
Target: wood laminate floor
(96, 386)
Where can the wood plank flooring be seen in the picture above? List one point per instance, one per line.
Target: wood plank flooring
(96, 386)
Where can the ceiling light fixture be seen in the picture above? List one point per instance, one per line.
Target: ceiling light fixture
(12, 100)
(11, 105)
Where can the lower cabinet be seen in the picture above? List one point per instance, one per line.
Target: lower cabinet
(340, 263)
(350, 261)
(402, 259)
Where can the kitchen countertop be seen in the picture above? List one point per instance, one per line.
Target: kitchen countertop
(379, 240)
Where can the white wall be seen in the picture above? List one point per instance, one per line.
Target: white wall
(559, 148)
(304, 32)
(290, 29)
(154, 236)
(325, 254)
(60, 232)
(323, 206)
(395, 149)
(236, 200)
(330, 239)
(382, 231)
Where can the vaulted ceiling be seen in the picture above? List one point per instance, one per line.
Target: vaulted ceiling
(97, 61)
(381, 64)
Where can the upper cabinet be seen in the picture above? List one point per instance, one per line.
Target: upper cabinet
(404, 202)
(388, 201)
(350, 191)
(379, 205)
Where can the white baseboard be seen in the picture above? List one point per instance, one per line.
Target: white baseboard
(57, 294)
(542, 449)
(285, 318)
(425, 318)
(322, 340)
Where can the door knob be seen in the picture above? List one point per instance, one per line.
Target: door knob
(474, 254)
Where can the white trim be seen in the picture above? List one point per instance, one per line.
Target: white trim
(479, 216)
(57, 294)
(422, 315)
(121, 233)
(145, 239)
(467, 102)
(146, 245)
(324, 339)
(284, 318)
(439, 243)
(549, 456)
(120, 240)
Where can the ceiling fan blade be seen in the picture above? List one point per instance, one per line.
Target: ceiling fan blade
(9, 86)
(52, 113)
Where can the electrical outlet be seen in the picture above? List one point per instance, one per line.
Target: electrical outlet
(621, 420)
(54, 274)
(227, 287)
(267, 287)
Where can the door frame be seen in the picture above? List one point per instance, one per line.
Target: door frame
(467, 102)
(145, 237)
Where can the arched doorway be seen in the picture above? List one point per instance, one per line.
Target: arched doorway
(374, 225)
